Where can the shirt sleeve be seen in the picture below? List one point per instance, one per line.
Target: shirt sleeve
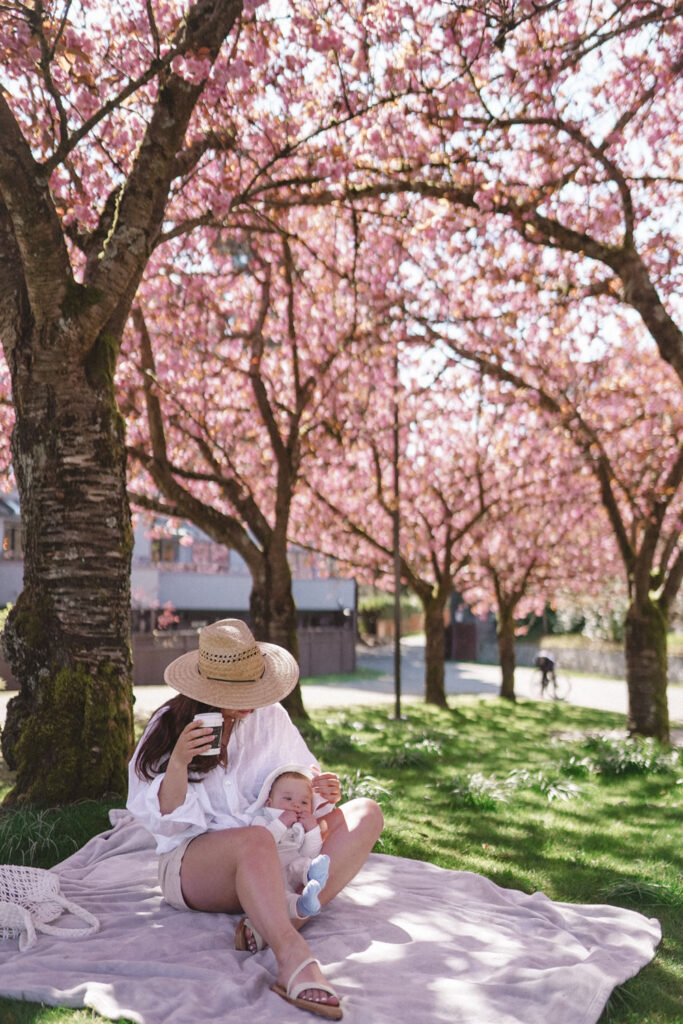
(186, 821)
(190, 819)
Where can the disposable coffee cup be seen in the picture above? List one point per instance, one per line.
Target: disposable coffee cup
(214, 721)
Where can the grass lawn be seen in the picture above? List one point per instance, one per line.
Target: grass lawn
(533, 796)
(359, 676)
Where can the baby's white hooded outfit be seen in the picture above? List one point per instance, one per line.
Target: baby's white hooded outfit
(296, 848)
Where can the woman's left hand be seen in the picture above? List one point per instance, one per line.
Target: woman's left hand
(327, 785)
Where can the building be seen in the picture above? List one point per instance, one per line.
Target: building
(181, 580)
(12, 561)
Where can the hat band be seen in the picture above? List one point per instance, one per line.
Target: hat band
(222, 679)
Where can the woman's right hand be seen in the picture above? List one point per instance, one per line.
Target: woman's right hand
(194, 739)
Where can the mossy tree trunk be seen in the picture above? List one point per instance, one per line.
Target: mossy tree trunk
(69, 730)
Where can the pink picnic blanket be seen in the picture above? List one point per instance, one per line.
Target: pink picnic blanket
(406, 940)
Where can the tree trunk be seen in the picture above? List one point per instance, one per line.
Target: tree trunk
(435, 654)
(69, 731)
(274, 616)
(505, 634)
(647, 670)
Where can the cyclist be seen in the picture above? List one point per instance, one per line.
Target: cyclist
(546, 663)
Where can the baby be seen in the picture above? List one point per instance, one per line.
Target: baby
(287, 813)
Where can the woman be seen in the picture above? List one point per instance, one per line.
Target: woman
(197, 807)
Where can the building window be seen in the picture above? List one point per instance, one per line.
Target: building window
(165, 549)
(210, 557)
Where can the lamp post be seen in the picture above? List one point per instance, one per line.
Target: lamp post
(397, 550)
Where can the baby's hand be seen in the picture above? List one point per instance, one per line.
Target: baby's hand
(309, 821)
(326, 784)
(288, 818)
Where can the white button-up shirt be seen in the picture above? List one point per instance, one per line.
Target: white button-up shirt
(220, 799)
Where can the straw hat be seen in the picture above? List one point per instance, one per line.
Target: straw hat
(232, 670)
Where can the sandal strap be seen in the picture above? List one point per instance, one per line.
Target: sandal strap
(294, 991)
(257, 937)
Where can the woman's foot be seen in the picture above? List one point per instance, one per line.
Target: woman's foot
(247, 939)
(294, 987)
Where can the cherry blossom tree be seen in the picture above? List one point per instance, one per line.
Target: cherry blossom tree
(222, 428)
(123, 130)
(630, 440)
(94, 118)
(544, 539)
(475, 134)
(444, 488)
(549, 125)
(545, 137)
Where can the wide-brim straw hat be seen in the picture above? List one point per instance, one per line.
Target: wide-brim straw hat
(231, 670)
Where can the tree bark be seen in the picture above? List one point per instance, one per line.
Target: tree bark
(274, 616)
(646, 669)
(505, 635)
(435, 653)
(69, 731)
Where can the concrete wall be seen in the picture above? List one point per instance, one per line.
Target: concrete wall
(321, 652)
(603, 663)
(11, 580)
(409, 624)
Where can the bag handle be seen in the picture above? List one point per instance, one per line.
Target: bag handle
(74, 933)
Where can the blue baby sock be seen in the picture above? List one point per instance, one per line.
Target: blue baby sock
(308, 903)
(319, 869)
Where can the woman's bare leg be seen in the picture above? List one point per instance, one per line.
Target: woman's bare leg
(353, 830)
(238, 870)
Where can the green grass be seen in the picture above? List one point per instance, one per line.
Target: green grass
(359, 676)
(533, 796)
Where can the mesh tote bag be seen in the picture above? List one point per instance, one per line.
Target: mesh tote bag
(30, 900)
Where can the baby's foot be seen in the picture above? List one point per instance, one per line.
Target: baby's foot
(319, 869)
(308, 903)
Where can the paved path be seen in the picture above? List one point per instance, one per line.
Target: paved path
(461, 678)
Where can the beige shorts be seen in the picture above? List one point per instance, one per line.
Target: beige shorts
(169, 875)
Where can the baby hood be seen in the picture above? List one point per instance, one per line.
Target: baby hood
(320, 806)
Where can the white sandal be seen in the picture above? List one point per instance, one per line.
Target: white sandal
(292, 993)
(241, 941)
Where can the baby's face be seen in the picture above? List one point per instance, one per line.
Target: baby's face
(291, 795)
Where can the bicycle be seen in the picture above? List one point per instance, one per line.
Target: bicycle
(549, 683)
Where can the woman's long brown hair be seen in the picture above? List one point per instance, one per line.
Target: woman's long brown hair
(157, 747)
